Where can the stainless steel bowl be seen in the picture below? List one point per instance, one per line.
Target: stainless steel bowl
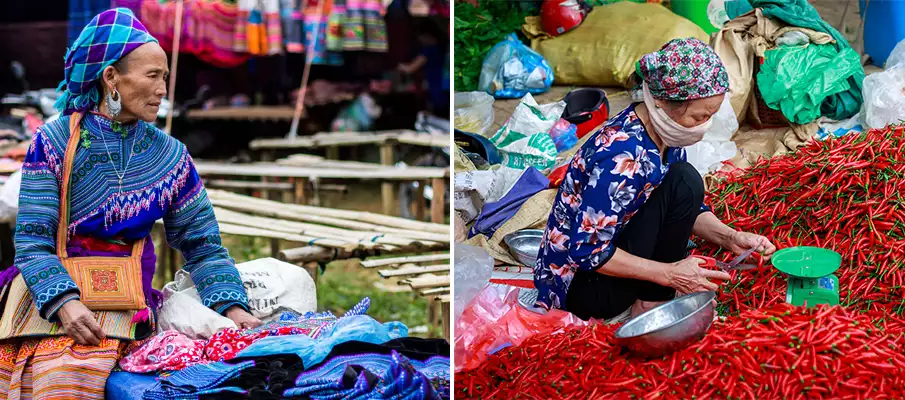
(669, 326)
(524, 245)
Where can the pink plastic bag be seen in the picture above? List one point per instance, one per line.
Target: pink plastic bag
(494, 320)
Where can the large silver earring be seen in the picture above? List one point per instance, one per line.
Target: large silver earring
(114, 103)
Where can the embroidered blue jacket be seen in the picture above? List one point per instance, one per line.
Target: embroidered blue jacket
(159, 181)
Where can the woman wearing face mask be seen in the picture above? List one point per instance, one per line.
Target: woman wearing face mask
(617, 237)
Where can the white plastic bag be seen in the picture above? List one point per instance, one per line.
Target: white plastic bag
(474, 267)
(271, 285)
(884, 97)
(183, 312)
(716, 13)
(897, 57)
(474, 112)
(524, 141)
(9, 198)
(717, 146)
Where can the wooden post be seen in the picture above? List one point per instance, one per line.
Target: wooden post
(446, 322)
(301, 197)
(315, 192)
(386, 188)
(313, 269)
(275, 248)
(177, 37)
(432, 312)
(288, 195)
(420, 202)
(333, 153)
(438, 204)
(266, 155)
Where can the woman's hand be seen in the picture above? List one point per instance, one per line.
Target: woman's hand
(79, 323)
(739, 242)
(687, 276)
(242, 318)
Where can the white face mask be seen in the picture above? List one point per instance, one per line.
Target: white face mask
(673, 134)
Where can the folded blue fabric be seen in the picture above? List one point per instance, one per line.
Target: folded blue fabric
(397, 378)
(122, 385)
(495, 214)
(196, 380)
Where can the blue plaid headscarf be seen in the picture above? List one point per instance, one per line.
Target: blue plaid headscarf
(105, 40)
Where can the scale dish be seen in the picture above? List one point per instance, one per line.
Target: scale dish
(806, 261)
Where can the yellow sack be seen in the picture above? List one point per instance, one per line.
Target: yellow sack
(603, 50)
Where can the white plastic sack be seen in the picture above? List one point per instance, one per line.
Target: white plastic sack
(475, 188)
(716, 146)
(9, 197)
(884, 97)
(524, 141)
(473, 112)
(271, 285)
(474, 267)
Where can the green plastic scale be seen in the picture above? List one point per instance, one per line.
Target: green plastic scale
(810, 271)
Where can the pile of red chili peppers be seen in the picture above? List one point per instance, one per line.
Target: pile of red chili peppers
(843, 194)
(781, 351)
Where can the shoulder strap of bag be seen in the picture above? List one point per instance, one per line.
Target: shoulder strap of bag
(72, 145)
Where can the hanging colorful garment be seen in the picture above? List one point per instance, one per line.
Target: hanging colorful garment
(295, 34)
(364, 27)
(258, 28)
(335, 20)
(316, 15)
(208, 29)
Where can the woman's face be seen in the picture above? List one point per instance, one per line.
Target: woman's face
(694, 112)
(141, 82)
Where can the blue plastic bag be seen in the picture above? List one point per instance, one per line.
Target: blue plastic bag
(361, 328)
(511, 70)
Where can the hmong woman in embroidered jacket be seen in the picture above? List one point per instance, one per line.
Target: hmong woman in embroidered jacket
(57, 339)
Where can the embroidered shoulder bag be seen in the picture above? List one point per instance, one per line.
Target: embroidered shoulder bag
(105, 283)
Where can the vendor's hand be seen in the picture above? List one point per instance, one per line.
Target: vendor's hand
(740, 242)
(687, 276)
(242, 318)
(79, 323)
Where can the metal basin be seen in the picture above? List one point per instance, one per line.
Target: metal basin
(669, 326)
(524, 245)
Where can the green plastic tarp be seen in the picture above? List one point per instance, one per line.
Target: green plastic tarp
(806, 82)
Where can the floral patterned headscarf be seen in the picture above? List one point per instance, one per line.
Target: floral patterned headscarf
(683, 69)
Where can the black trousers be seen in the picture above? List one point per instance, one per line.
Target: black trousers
(659, 232)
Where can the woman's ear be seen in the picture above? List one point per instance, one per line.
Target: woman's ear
(110, 78)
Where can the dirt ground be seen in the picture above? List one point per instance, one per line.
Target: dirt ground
(830, 10)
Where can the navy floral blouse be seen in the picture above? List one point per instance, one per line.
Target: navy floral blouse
(606, 183)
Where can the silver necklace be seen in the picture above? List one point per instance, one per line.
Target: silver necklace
(112, 164)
